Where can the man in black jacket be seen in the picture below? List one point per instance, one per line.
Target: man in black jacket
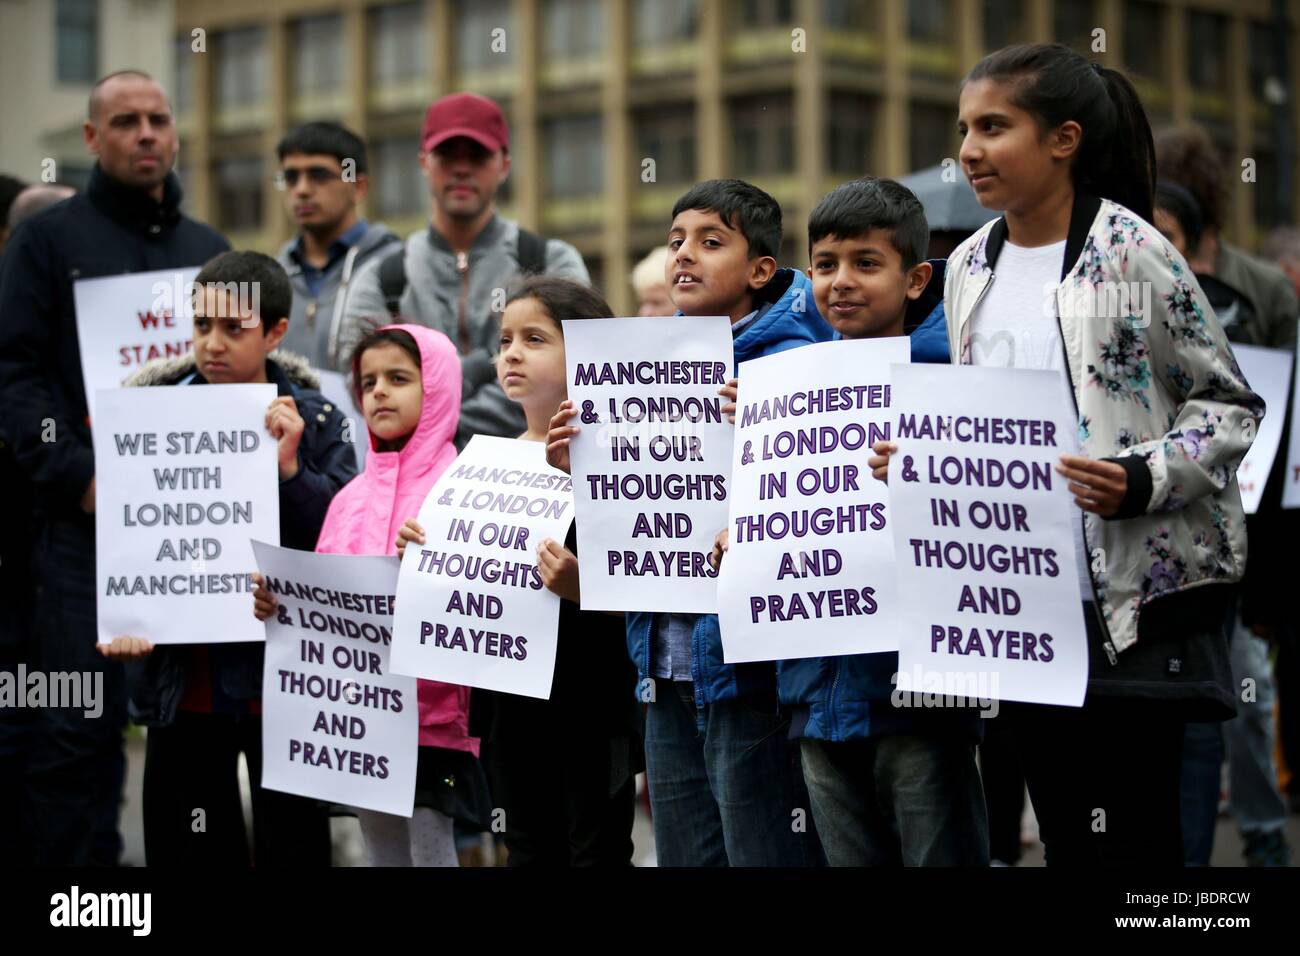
(128, 220)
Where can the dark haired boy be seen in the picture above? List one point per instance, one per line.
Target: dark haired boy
(724, 776)
(202, 703)
(891, 783)
(324, 174)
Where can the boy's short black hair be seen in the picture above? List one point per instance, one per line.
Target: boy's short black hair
(856, 207)
(324, 139)
(228, 270)
(744, 207)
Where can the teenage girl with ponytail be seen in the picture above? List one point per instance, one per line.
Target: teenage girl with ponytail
(1063, 148)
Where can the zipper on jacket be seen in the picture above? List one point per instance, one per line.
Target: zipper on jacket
(830, 700)
(1106, 643)
(462, 267)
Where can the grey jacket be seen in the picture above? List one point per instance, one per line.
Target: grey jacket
(457, 300)
(316, 321)
(1269, 291)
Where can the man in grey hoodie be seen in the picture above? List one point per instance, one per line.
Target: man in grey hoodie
(323, 173)
(452, 276)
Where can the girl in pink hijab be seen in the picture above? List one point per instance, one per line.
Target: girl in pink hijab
(408, 385)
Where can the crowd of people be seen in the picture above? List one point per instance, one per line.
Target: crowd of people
(457, 331)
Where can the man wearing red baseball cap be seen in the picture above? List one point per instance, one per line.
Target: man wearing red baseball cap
(445, 276)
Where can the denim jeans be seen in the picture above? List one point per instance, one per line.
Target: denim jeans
(1253, 799)
(1199, 790)
(897, 800)
(731, 795)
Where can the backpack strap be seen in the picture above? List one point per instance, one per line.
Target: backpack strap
(531, 250)
(392, 280)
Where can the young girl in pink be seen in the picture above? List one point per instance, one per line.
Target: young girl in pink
(408, 384)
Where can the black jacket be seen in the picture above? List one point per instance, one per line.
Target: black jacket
(327, 462)
(110, 229)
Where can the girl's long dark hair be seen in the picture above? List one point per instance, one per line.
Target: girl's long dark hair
(1117, 158)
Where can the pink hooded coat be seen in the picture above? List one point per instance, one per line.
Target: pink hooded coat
(365, 516)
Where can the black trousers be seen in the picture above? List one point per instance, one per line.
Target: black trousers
(1104, 780)
(556, 796)
(1004, 789)
(192, 811)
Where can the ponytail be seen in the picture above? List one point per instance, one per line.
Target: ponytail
(1117, 157)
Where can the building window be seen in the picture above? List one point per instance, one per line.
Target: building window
(852, 119)
(239, 185)
(760, 14)
(1268, 208)
(396, 43)
(396, 180)
(1073, 22)
(660, 22)
(1265, 75)
(182, 74)
(851, 15)
(484, 35)
(241, 66)
(575, 157)
(667, 135)
(573, 28)
(77, 43)
(317, 44)
(1207, 64)
(931, 21)
(762, 135)
(1005, 23)
(932, 137)
(1144, 46)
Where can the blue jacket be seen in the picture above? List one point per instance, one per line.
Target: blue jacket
(849, 697)
(787, 318)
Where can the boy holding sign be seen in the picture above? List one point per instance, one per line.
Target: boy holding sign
(890, 783)
(202, 702)
(724, 780)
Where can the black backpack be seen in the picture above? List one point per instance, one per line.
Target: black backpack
(530, 250)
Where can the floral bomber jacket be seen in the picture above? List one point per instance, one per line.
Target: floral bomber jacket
(1157, 390)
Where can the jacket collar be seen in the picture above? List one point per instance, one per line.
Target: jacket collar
(134, 207)
(274, 375)
(490, 234)
(1082, 215)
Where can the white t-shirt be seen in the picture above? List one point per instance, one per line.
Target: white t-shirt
(1014, 326)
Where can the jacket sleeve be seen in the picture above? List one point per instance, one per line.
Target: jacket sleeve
(363, 311)
(1218, 413)
(484, 407)
(306, 497)
(42, 431)
(564, 261)
(1284, 313)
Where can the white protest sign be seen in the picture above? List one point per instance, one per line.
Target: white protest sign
(983, 532)
(124, 321)
(810, 566)
(1268, 371)
(185, 476)
(1291, 486)
(472, 609)
(650, 463)
(337, 724)
(334, 386)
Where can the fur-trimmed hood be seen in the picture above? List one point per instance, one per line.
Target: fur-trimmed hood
(169, 371)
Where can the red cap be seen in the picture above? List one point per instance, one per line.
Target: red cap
(465, 114)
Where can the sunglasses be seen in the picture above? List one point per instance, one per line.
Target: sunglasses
(320, 175)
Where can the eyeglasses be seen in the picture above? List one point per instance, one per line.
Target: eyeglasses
(320, 175)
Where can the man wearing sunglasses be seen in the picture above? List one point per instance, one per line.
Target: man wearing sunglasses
(323, 175)
(448, 275)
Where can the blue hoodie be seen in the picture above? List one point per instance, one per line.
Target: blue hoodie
(849, 697)
(787, 318)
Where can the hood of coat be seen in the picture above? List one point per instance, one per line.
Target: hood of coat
(440, 379)
(169, 371)
(787, 317)
(376, 235)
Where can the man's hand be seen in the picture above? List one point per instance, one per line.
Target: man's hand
(720, 546)
(557, 439)
(410, 531)
(559, 569)
(126, 648)
(286, 427)
(879, 462)
(1097, 486)
(263, 599)
(88, 501)
(730, 393)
